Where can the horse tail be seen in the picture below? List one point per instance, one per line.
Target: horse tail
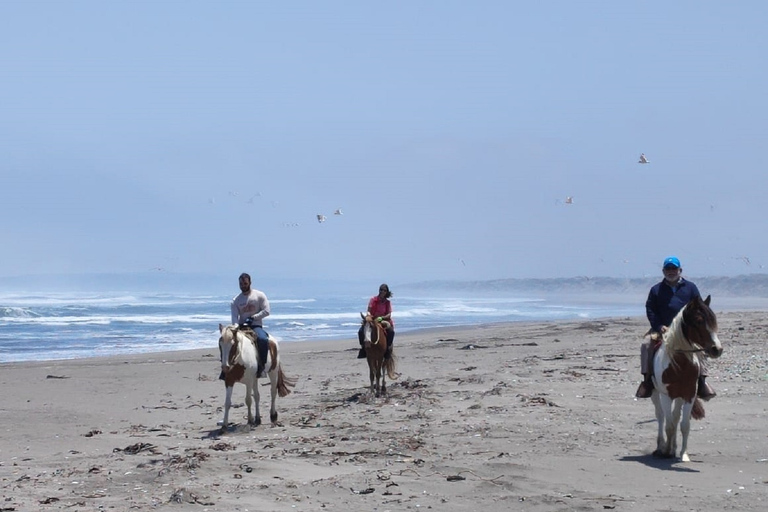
(284, 383)
(389, 367)
(697, 412)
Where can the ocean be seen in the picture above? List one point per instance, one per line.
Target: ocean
(62, 325)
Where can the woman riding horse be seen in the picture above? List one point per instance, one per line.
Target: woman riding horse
(380, 308)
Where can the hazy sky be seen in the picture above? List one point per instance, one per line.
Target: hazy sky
(206, 137)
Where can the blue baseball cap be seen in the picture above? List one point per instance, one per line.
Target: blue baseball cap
(672, 261)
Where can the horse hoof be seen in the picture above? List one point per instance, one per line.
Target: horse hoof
(256, 421)
(273, 417)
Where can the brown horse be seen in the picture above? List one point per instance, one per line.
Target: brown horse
(676, 374)
(375, 342)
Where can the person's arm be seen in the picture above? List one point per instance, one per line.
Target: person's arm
(651, 309)
(262, 309)
(234, 310)
(388, 316)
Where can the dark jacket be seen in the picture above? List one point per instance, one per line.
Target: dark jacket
(664, 303)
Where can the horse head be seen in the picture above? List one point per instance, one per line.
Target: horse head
(700, 326)
(227, 346)
(371, 330)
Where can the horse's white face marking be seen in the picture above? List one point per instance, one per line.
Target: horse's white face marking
(367, 333)
(226, 342)
(715, 339)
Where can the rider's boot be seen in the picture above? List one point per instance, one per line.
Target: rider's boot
(221, 375)
(705, 391)
(645, 389)
(361, 354)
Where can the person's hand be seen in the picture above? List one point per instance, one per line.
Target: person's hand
(379, 319)
(664, 329)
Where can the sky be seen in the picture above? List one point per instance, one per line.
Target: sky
(206, 137)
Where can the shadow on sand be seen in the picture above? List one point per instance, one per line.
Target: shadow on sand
(659, 463)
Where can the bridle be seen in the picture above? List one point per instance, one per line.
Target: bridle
(684, 329)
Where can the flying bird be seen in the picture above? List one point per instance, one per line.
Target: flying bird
(643, 160)
(569, 200)
(338, 212)
(320, 218)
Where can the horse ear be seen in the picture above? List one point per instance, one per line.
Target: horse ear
(221, 328)
(707, 300)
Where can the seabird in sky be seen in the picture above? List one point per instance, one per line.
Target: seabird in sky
(320, 218)
(642, 160)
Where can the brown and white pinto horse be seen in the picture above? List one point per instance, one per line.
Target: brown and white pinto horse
(676, 374)
(375, 342)
(239, 362)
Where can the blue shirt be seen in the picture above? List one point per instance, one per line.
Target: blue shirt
(664, 302)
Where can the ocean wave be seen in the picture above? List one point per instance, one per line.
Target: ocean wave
(128, 319)
(17, 312)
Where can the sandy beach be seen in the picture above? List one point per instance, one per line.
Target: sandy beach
(523, 416)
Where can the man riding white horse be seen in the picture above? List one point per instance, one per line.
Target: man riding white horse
(249, 309)
(665, 300)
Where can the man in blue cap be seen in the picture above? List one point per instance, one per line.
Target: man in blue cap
(665, 301)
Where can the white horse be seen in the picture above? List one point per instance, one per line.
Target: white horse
(676, 374)
(239, 362)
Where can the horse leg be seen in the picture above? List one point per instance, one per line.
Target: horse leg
(256, 397)
(378, 377)
(383, 373)
(655, 398)
(685, 428)
(667, 428)
(249, 400)
(227, 405)
(372, 375)
(673, 420)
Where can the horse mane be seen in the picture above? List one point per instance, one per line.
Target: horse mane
(674, 340)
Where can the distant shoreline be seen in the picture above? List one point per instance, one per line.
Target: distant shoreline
(743, 285)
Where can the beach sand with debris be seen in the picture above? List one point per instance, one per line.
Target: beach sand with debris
(520, 416)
